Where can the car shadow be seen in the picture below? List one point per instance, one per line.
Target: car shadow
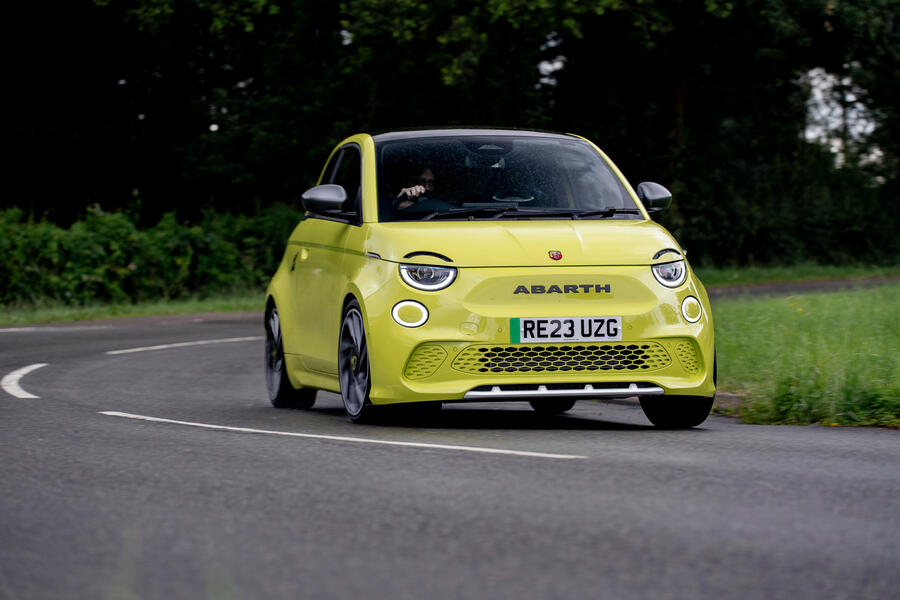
(455, 417)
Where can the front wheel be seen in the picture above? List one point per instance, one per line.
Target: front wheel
(281, 393)
(676, 412)
(353, 365)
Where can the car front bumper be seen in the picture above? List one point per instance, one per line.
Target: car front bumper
(463, 351)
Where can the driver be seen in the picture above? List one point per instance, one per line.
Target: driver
(422, 186)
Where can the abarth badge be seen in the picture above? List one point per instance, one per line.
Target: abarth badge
(555, 254)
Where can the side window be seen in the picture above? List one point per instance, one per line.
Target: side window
(348, 175)
(331, 167)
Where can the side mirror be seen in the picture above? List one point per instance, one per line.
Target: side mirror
(324, 198)
(653, 196)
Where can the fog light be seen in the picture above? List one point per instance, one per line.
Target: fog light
(691, 309)
(409, 313)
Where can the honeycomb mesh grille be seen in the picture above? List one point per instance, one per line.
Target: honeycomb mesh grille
(424, 361)
(687, 354)
(514, 358)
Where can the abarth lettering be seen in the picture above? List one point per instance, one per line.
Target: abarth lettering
(569, 288)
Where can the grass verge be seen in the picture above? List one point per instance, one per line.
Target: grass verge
(813, 358)
(803, 272)
(238, 301)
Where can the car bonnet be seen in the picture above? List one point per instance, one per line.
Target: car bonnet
(520, 243)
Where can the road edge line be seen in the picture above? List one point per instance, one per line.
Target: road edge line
(10, 382)
(340, 438)
(252, 338)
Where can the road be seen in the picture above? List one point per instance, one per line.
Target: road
(486, 501)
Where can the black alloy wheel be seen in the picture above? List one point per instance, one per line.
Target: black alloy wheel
(281, 393)
(353, 365)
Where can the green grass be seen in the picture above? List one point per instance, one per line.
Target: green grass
(804, 272)
(240, 301)
(813, 358)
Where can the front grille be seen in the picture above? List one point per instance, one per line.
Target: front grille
(687, 354)
(514, 358)
(424, 361)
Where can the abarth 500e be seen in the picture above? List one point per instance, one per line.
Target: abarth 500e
(486, 265)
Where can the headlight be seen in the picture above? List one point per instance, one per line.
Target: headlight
(670, 274)
(427, 277)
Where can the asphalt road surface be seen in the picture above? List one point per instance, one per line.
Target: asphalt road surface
(481, 501)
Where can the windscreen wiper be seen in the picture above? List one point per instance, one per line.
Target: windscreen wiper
(539, 212)
(499, 212)
(606, 212)
(463, 212)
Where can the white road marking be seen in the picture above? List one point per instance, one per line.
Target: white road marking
(52, 329)
(10, 383)
(340, 438)
(254, 338)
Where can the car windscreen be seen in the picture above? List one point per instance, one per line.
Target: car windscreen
(493, 177)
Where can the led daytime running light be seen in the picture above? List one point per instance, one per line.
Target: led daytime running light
(427, 277)
(671, 274)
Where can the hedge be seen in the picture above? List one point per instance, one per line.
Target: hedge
(105, 257)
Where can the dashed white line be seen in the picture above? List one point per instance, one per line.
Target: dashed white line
(254, 338)
(340, 438)
(10, 383)
(45, 329)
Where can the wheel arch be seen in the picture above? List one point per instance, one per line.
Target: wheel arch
(348, 298)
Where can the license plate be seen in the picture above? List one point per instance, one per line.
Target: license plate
(565, 329)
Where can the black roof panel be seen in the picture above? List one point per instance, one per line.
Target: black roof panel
(466, 131)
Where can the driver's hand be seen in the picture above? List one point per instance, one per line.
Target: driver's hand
(412, 192)
(408, 196)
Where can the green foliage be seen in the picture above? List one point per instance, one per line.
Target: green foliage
(732, 276)
(813, 358)
(223, 15)
(233, 105)
(105, 258)
(50, 311)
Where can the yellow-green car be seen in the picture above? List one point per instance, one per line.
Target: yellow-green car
(486, 265)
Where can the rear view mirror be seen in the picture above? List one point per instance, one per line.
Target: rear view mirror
(653, 196)
(324, 198)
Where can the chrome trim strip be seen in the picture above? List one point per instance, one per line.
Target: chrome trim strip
(588, 391)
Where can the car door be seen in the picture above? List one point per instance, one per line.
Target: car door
(318, 280)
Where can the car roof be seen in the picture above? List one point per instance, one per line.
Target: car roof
(457, 132)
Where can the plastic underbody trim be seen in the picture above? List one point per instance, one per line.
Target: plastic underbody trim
(542, 391)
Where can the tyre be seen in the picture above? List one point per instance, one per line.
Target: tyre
(281, 393)
(353, 365)
(551, 406)
(676, 412)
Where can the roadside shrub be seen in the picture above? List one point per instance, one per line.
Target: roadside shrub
(104, 257)
(827, 358)
(803, 402)
(875, 403)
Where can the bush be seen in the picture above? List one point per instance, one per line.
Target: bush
(813, 358)
(104, 257)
